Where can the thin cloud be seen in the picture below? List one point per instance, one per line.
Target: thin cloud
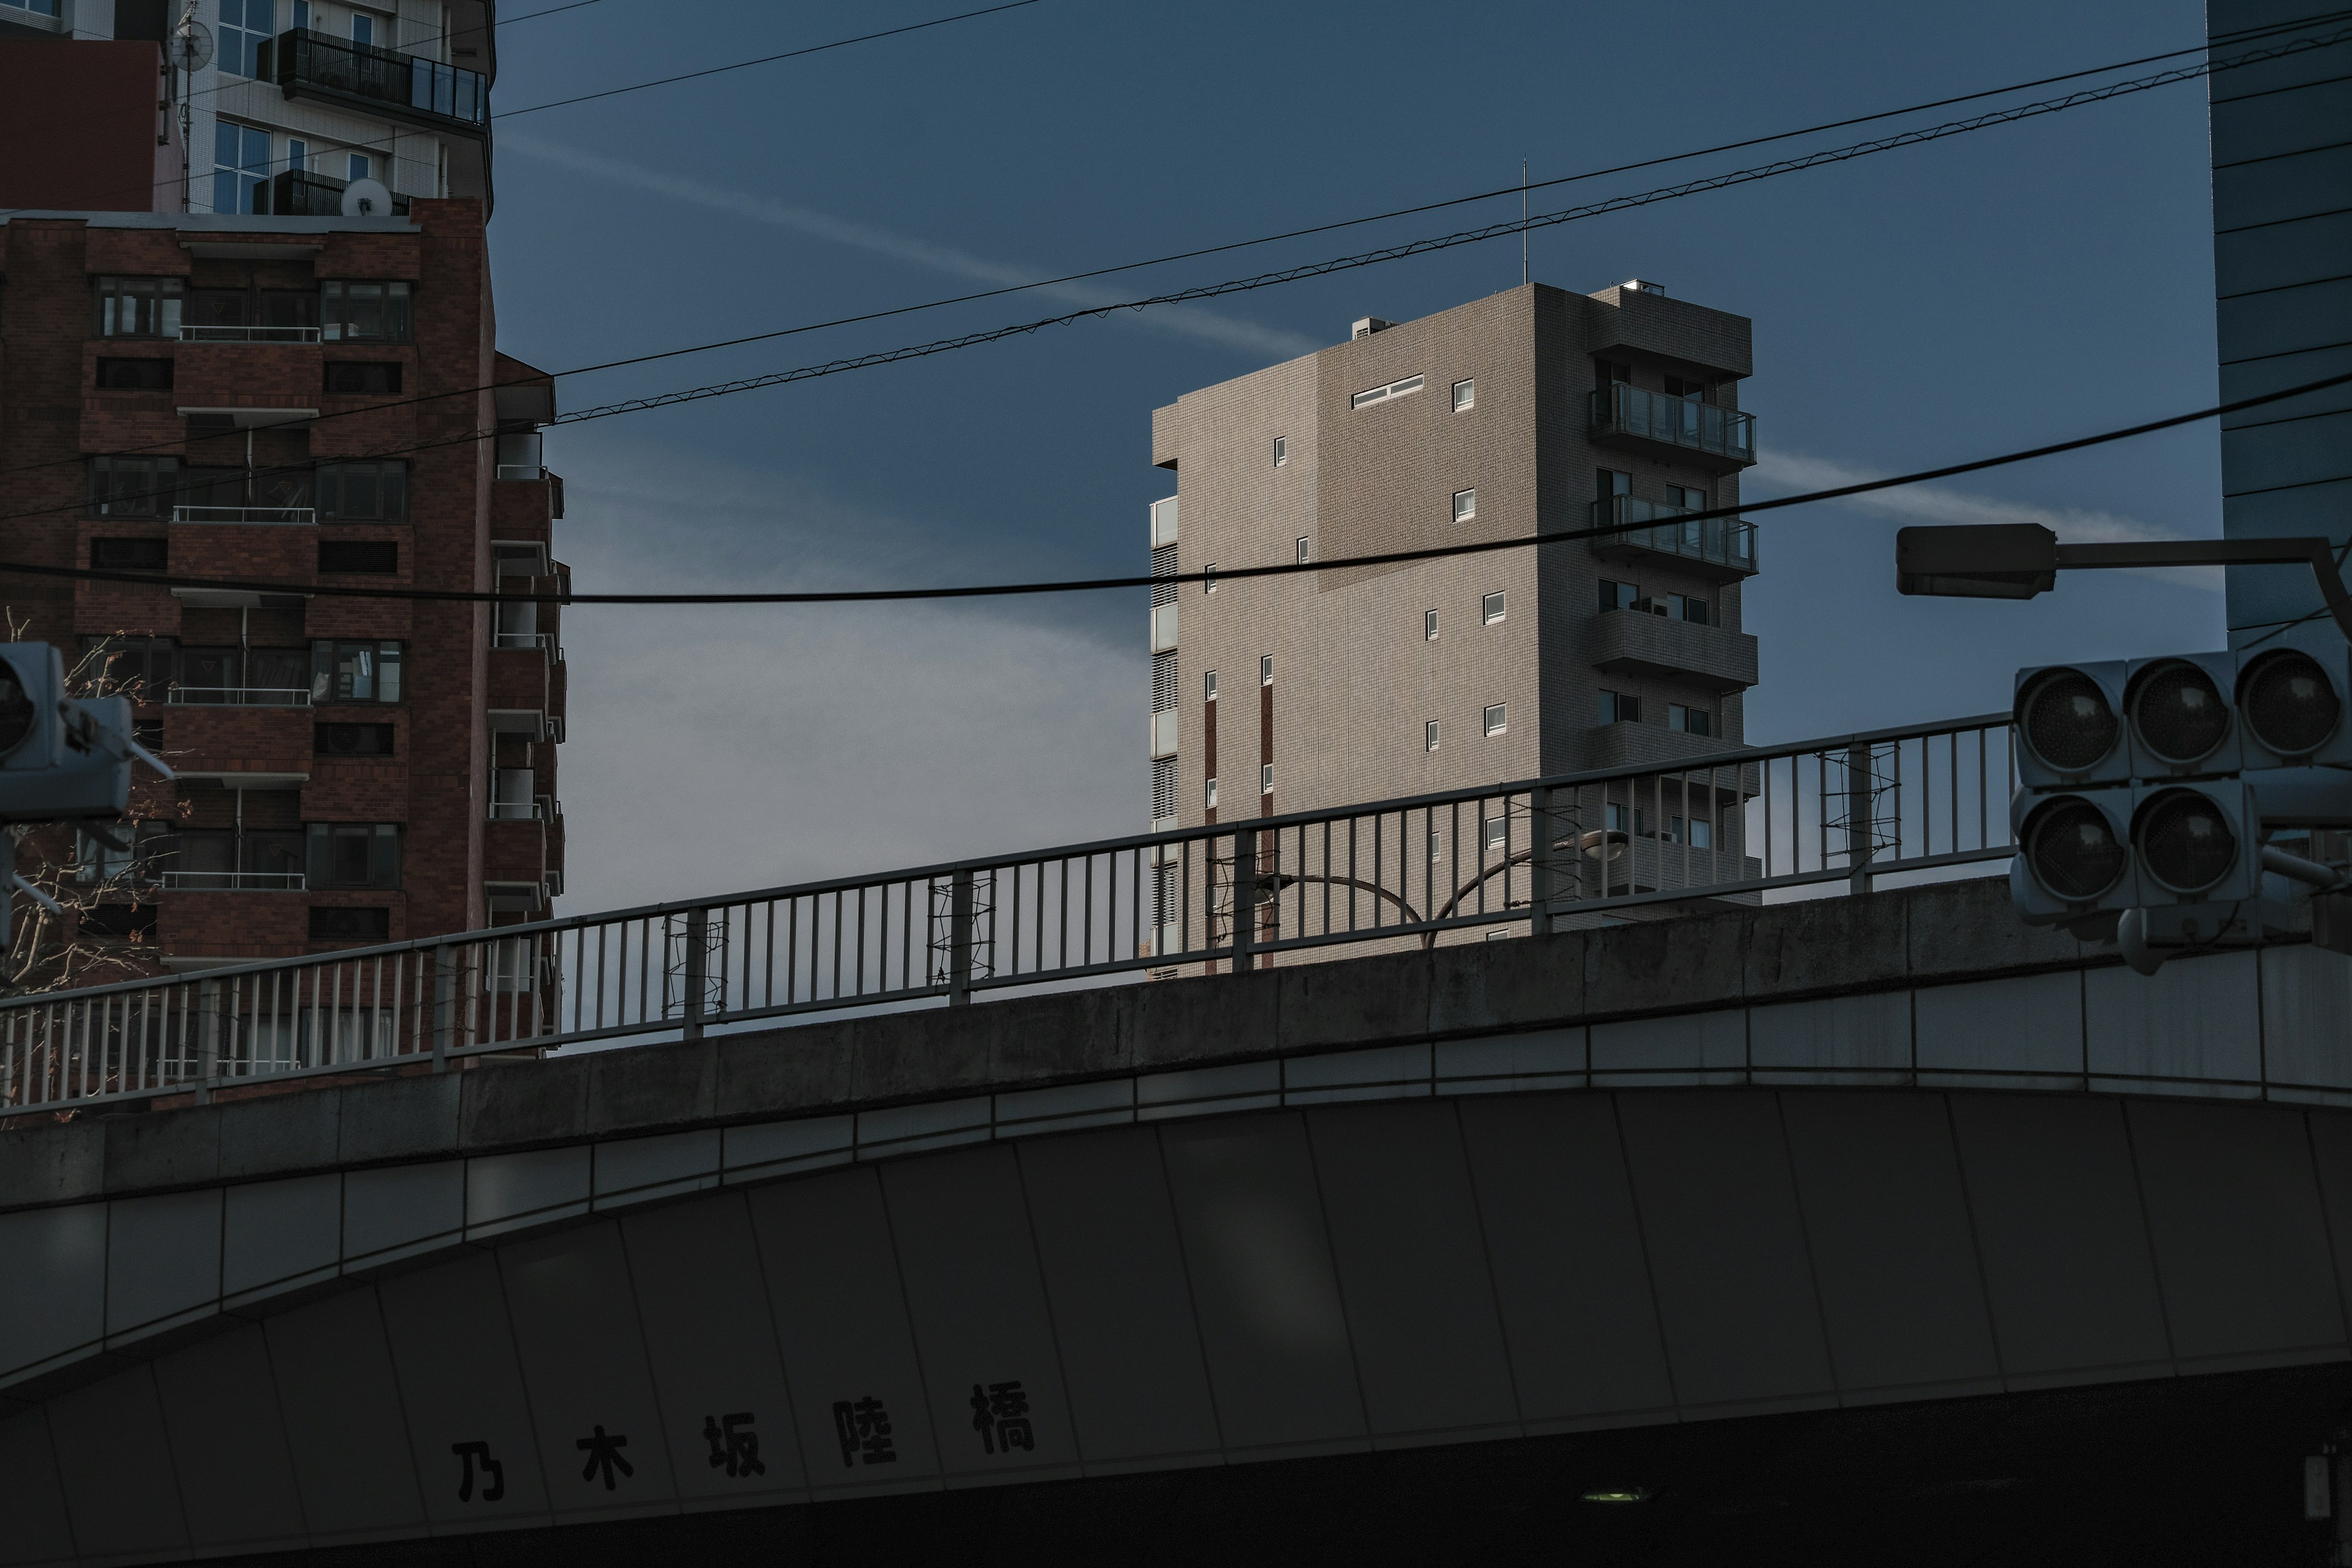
(1791, 473)
(1184, 320)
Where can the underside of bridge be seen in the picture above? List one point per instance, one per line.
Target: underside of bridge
(2200, 1471)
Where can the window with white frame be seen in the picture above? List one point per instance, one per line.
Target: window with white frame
(1465, 505)
(1209, 794)
(1490, 608)
(1436, 846)
(1429, 625)
(1687, 496)
(1281, 450)
(1208, 685)
(1302, 550)
(244, 24)
(1465, 395)
(1498, 830)
(240, 166)
(1429, 736)
(1208, 578)
(1266, 778)
(1689, 607)
(1372, 394)
(1266, 670)
(357, 166)
(1498, 719)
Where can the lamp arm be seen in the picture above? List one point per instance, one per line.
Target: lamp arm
(2316, 553)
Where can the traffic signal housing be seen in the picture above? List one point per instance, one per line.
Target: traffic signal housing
(2070, 725)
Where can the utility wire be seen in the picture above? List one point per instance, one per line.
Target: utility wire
(1263, 280)
(1238, 573)
(918, 350)
(766, 59)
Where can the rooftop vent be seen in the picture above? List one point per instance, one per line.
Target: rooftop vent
(1643, 285)
(1369, 325)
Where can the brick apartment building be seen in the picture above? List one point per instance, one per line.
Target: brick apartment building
(231, 396)
(1531, 412)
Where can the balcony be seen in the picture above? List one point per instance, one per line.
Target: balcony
(1633, 642)
(305, 192)
(281, 516)
(1720, 549)
(237, 696)
(234, 881)
(1722, 438)
(1634, 744)
(309, 64)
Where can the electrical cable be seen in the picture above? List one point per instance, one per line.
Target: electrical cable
(1643, 199)
(765, 60)
(1238, 574)
(1416, 248)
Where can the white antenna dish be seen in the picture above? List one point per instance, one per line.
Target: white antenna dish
(366, 199)
(191, 48)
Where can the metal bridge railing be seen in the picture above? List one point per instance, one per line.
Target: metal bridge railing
(1828, 816)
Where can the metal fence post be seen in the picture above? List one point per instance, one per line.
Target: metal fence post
(1244, 898)
(697, 968)
(445, 1005)
(1542, 833)
(208, 1024)
(959, 940)
(1861, 826)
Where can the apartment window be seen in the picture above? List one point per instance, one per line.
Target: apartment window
(1490, 608)
(351, 740)
(355, 672)
(139, 307)
(1606, 370)
(362, 27)
(1618, 708)
(240, 156)
(363, 492)
(98, 863)
(353, 855)
(1465, 395)
(1676, 386)
(1266, 670)
(1164, 788)
(350, 922)
(1208, 578)
(1208, 685)
(1689, 720)
(357, 166)
(116, 922)
(1619, 596)
(1302, 550)
(379, 557)
(1382, 393)
(1686, 498)
(1465, 505)
(1266, 778)
(356, 312)
(298, 155)
(133, 487)
(129, 555)
(244, 24)
(1209, 795)
(1619, 819)
(1688, 607)
(1497, 720)
(37, 7)
(1429, 736)
(361, 378)
(1610, 482)
(1436, 846)
(1429, 625)
(1702, 833)
(1498, 833)
(1281, 450)
(134, 375)
(137, 667)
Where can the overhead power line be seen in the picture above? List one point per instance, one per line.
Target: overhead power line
(765, 60)
(1223, 575)
(1507, 227)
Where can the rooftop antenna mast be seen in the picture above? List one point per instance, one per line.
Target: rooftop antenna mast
(189, 51)
(1523, 221)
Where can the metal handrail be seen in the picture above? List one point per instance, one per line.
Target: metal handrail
(237, 696)
(264, 514)
(1692, 422)
(234, 882)
(248, 334)
(1532, 854)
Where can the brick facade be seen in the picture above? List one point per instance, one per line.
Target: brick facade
(262, 760)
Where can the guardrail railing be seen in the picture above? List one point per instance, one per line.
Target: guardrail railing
(1725, 827)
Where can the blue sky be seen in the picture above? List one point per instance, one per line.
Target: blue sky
(1994, 290)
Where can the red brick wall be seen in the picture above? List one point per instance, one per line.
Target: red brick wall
(82, 127)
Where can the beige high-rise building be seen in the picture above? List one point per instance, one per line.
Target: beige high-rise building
(1533, 411)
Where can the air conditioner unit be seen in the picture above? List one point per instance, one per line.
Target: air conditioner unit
(1652, 606)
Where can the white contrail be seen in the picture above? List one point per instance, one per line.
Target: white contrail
(1186, 320)
(1794, 473)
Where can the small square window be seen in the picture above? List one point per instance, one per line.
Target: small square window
(1496, 935)
(1465, 505)
(1208, 578)
(1619, 596)
(1209, 686)
(1429, 625)
(1266, 778)
(1490, 605)
(1209, 795)
(1429, 736)
(1618, 708)
(1436, 846)
(1688, 607)
(1281, 450)
(1266, 670)
(1690, 721)
(1465, 395)
(1498, 832)
(1496, 720)
(1702, 833)
(1302, 550)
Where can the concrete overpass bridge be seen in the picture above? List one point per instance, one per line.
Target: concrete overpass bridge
(1775, 1222)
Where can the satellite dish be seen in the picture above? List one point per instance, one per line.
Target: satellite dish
(366, 199)
(191, 48)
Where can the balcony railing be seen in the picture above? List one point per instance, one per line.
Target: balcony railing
(267, 514)
(301, 59)
(234, 881)
(248, 334)
(1726, 543)
(239, 696)
(1623, 410)
(306, 193)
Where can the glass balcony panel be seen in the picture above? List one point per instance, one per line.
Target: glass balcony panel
(1725, 542)
(1677, 421)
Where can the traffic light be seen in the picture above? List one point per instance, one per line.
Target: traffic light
(2146, 790)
